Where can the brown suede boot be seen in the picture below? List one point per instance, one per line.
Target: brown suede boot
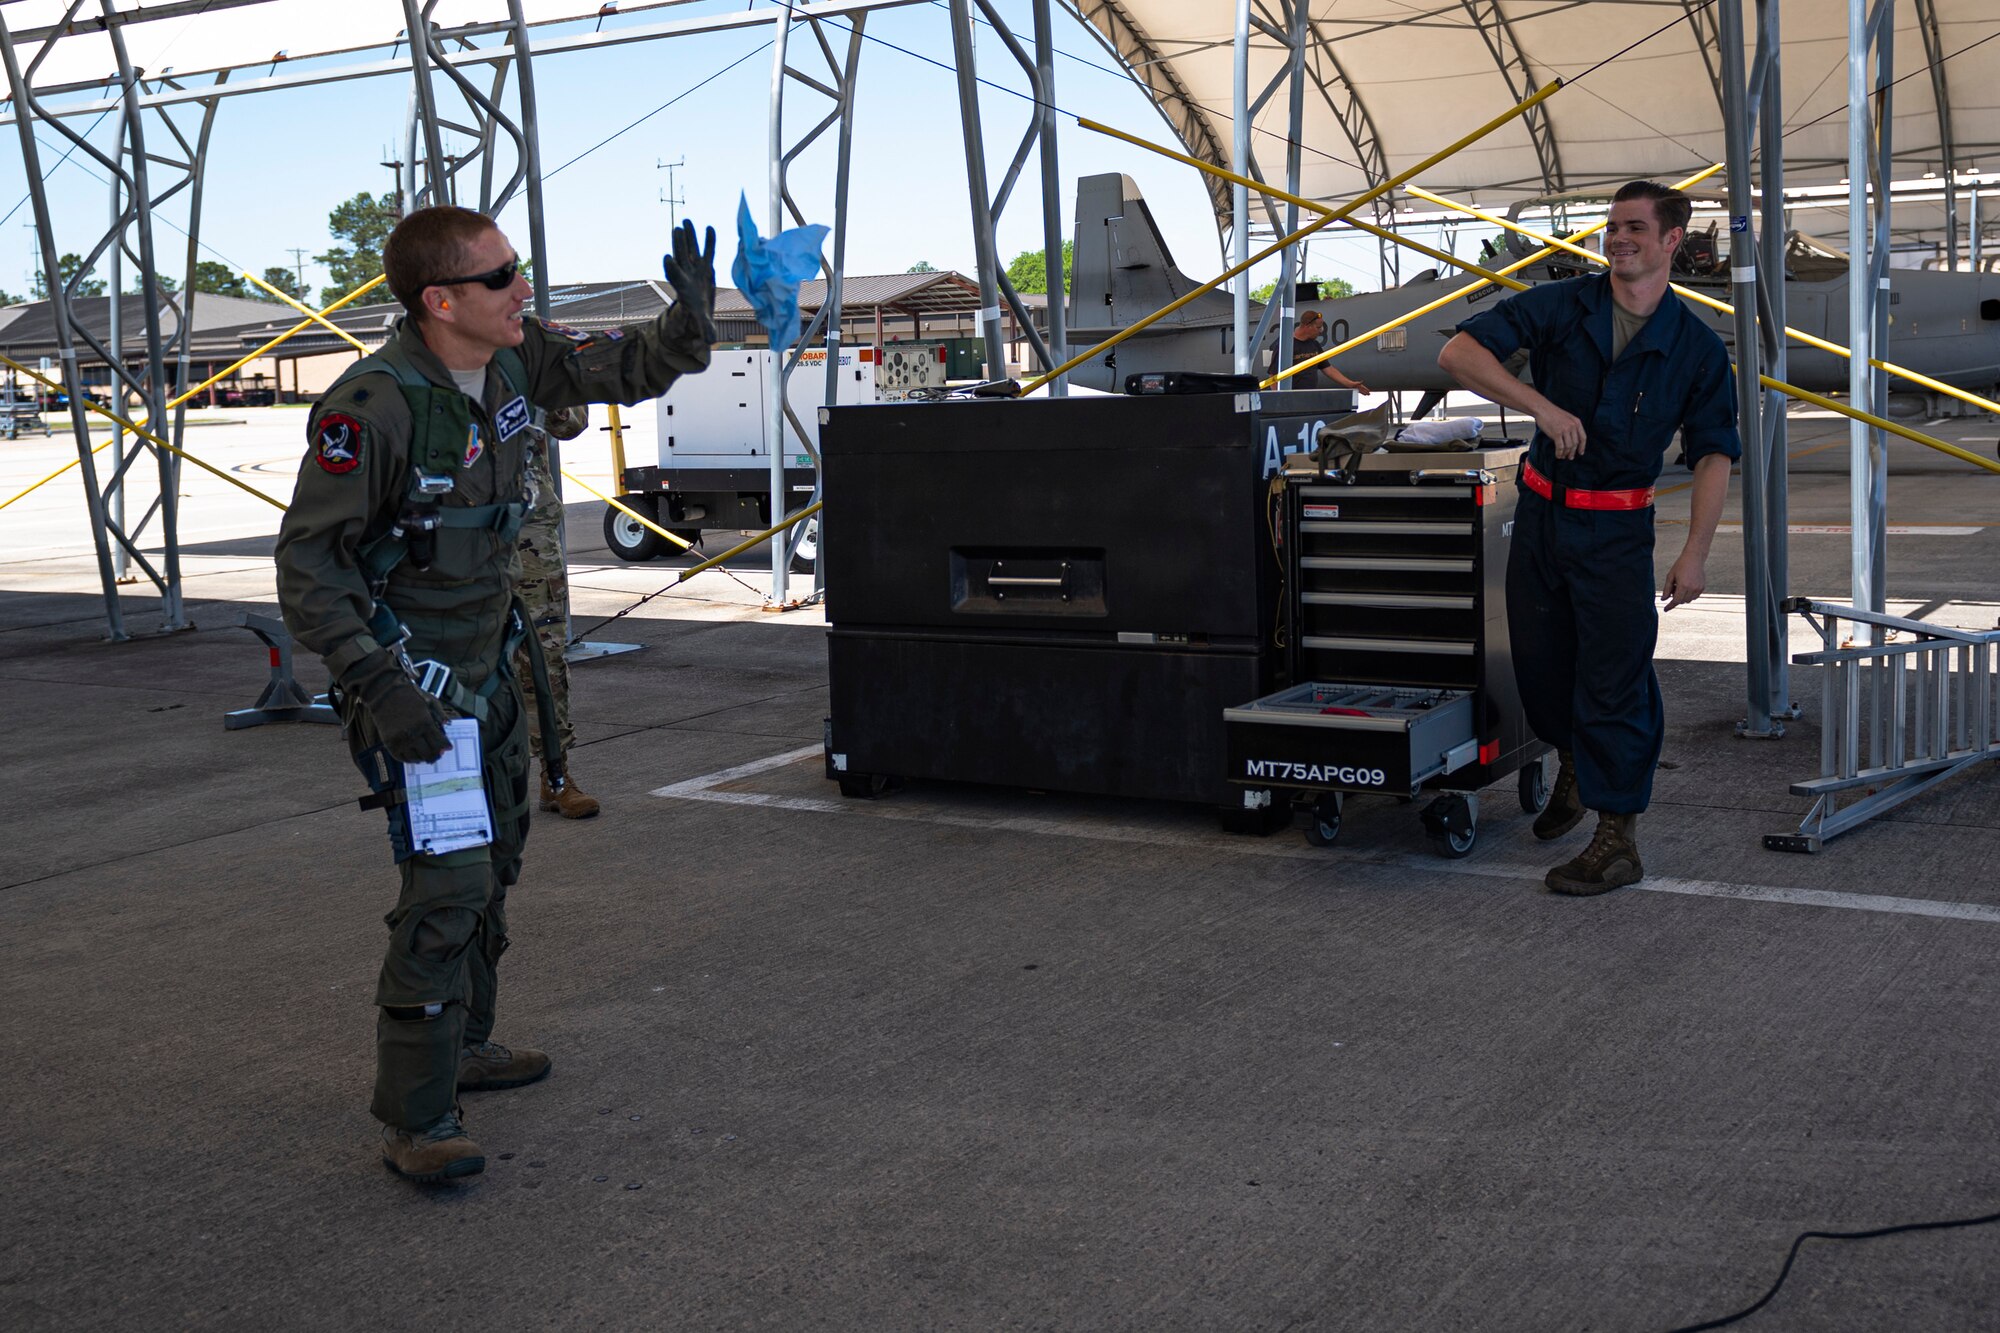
(1610, 862)
(571, 802)
(1565, 808)
(487, 1066)
(441, 1152)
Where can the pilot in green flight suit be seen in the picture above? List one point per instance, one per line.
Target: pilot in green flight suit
(396, 564)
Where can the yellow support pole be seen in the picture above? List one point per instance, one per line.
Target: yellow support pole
(1165, 310)
(52, 476)
(1466, 290)
(617, 447)
(628, 511)
(1301, 201)
(307, 311)
(1879, 423)
(1701, 298)
(1541, 95)
(136, 429)
(292, 332)
(758, 540)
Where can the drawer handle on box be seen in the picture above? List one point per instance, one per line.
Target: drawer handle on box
(998, 581)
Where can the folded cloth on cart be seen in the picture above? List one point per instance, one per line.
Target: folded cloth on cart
(769, 269)
(1458, 433)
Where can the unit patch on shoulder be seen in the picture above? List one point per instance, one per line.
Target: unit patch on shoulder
(565, 331)
(337, 443)
(511, 418)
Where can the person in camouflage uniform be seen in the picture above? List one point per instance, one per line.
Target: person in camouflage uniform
(396, 563)
(543, 588)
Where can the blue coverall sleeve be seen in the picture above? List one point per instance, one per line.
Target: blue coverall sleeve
(1525, 319)
(1709, 424)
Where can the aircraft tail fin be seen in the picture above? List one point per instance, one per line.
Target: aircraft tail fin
(1123, 271)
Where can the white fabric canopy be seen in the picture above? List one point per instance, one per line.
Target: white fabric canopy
(1392, 81)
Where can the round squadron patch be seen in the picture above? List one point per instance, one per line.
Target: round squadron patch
(337, 443)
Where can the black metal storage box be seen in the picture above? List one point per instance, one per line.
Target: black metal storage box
(1053, 593)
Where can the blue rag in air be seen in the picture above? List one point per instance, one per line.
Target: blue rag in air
(768, 272)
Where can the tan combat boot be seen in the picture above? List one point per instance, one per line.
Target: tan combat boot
(571, 802)
(441, 1152)
(1565, 808)
(1610, 862)
(487, 1066)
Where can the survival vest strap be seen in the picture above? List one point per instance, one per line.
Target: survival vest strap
(440, 422)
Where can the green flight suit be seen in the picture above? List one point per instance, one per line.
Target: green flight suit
(448, 928)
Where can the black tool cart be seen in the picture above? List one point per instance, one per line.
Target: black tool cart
(1395, 643)
(1057, 594)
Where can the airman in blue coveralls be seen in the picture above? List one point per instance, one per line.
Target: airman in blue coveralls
(1619, 365)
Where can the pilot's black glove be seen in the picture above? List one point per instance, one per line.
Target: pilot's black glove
(691, 271)
(410, 722)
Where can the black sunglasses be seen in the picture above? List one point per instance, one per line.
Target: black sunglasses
(498, 279)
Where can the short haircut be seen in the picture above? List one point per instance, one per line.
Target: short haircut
(427, 247)
(1311, 317)
(1671, 208)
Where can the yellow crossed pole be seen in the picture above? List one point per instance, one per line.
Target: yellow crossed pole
(628, 511)
(307, 311)
(91, 405)
(1701, 298)
(136, 429)
(1541, 95)
(1880, 423)
(1466, 290)
(1311, 205)
(758, 540)
(292, 332)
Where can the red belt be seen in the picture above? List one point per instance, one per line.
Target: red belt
(1577, 499)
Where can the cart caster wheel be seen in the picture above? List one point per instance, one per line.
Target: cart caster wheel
(1323, 828)
(1534, 783)
(863, 786)
(1452, 821)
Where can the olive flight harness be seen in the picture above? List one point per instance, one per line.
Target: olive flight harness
(443, 419)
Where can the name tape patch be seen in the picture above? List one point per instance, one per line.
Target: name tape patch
(512, 418)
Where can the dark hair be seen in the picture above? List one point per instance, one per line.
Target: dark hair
(428, 246)
(1671, 208)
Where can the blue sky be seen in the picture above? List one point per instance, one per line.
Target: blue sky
(279, 161)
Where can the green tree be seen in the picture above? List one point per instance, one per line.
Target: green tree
(69, 266)
(1330, 289)
(361, 224)
(921, 266)
(166, 284)
(286, 281)
(222, 280)
(1029, 271)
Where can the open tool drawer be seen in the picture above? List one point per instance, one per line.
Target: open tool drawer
(1351, 738)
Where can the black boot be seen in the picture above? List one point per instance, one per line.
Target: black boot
(1610, 862)
(1565, 808)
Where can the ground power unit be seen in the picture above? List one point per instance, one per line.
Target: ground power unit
(713, 471)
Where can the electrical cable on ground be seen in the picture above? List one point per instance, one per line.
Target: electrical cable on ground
(616, 615)
(1805, 1236)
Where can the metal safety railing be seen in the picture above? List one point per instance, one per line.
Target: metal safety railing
(1898, 714)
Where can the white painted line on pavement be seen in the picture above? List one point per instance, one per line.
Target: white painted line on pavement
(702, 789)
